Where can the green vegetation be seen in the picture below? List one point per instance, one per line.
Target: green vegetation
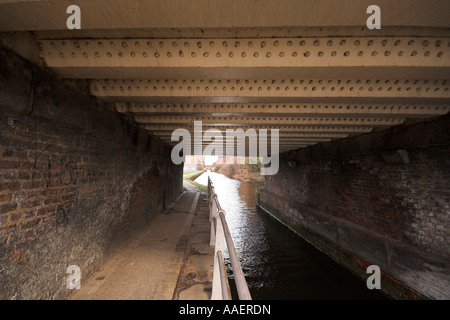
(198, 185)
(190, 172)
(253, 168)
(187, 177)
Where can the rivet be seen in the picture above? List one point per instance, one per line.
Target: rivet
(145, 54)
(316, 43)
(302, 43)
(276, 43)
(306, 54)
(243, 54)
(193, 55)
(425, 43)
(205, 54)
(218, 54)
(225, 44)
(124, 44)
(263, 44)
(230, 54)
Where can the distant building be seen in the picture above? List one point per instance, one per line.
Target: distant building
(193, 163)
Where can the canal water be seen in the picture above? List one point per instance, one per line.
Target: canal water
(278, 263)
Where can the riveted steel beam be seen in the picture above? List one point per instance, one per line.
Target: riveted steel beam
(103, 15)
(329, 91)
(274, 121)
(280, 141)
(307, 109)
(306, 139)
(319, 136)
(330, 129)
(253, 57)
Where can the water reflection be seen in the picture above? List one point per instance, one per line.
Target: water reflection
(277, 263)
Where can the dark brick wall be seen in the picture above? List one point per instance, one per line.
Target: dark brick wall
(75, 181)
(359, 194)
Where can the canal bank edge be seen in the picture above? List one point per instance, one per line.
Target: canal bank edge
(390, 286)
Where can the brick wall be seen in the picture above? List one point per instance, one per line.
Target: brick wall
(75, 181)
(360, 195)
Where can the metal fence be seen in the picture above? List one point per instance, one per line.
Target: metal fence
(221, 239)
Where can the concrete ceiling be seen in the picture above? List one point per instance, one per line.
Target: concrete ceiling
(311, 68)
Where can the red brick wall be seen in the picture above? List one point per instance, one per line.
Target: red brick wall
(72, 188)
(390, 213)
(405, 202)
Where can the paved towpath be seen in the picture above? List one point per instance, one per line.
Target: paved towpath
(168, 259)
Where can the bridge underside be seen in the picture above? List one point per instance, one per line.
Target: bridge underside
(348, 102)
(311, 69)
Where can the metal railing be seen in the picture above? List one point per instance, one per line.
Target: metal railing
(221, 239)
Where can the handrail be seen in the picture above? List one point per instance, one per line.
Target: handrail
(221, 237)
